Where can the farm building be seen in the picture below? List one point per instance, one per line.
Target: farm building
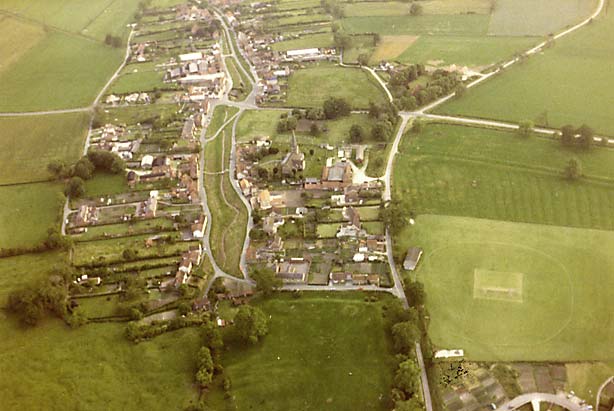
(412, 258)
(293, 271)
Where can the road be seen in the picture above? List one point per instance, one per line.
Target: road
(387, 195)
(538, 397)
(398, 282)
(426, 392)
(601, 388)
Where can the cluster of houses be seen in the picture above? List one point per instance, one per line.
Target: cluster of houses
(202, 71)
(282, 201)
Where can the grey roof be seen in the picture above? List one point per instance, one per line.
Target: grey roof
(412, 258)
(336, 172)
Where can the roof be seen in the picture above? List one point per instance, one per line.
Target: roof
(412, 258)
(302, 52)
(336, 172)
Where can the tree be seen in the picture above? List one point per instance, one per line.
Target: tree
(573, 169)
(106, 161)
(184, 308)
(204, 375)
(415, 9)
(404, 337)
(381, 131)
(363, 59)
(212, 337)
(57, 168)
(417, 126)
(413, 404)
(525, 128)
(266, 280)
(83, 169)
(55, 240)
(415, 293)
(460, 90)
(357, 133)
(586, 136)
(130, 254)
(395, 313)
(568, 135)
(335, 107)
(314, 129)
(75, 187)
(406, 377)
(395, 217)
(251, 324)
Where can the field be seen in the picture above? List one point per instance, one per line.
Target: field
(94, 365)
(229, 216)
(310, 87)
(324, 352)
(440, 171)
(450, 25)
(137, 78)
(28, 144)
(396, 8)
(566, 278)
(304, 42)
(534, 89)
(16, 38)
(27, 211)
(537, 18)
(390, 47)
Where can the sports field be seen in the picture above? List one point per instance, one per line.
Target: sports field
(27, 211)
(323, 352)
(28, 144)
(311, 86)
(454, 170)
(565, 282)
(542, 87)
(537, 17)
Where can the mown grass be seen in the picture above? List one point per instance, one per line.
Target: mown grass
(451, 25)
(570, 83)
(397, 8)
(307, 41)
(28, 144)
(137, 78)
(566, 281)
(313, 341)
(16, 38)
(311, 86)
(27, 211)
(461, 171)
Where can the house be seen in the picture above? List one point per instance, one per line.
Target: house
(340, 277)
(271, 222)
(185, 266)
(360, 279)
(188, 129)
(86, 215)
(264, 200)
(246, 187)
(360, 154)
(293, 161)
(412, 258)
(147, 161)
(294, 270)
(113, 99)
(148, 208)
(353, 216)
(312, 183)
(337, 176)
(373, 279)
(198, 227)
(303, 54)
(181, 278)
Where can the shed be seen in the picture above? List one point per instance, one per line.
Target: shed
(412, 258)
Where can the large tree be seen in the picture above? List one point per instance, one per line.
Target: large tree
(251, 324)
(407, 377)
(204, 375)
(573, 169)
(404, 337)
(357, 133)
(568, 135)
(266, 280)
(415, 293)
(586, 136)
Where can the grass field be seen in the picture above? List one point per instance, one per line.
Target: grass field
(450, 25)
(442, 171)
(310, 87)
(537, 17)
(396, 8)
(28, 144)
(391, 47)
(229, 216)
(61, 71)
(94, 365)
(534, 89)
(566, 280)
(16, 38)
(323, 352)
(27, 211)
(138, 78)
(304, 42)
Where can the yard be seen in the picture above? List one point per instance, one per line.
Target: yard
(534, 89)
(566, 279)
(323, 352)
(27, 211)
(311, 86)
(28, 144)
(440, 171)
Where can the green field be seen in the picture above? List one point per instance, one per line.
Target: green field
(304, 42)
(310, 87)
(540, 88)
(442, 171)
(94, 365)
(27, 211)
(450, 25)
(16, 38)
(138, 78)
(566, 278)
(28, 144)
(537, 17)
(323, 352)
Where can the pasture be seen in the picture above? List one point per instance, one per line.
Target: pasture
(311, 86)
(442, 25)
(566, 278)
(534, 89)
(329, 351)
(94, 365)
(397, 8)
(138, 78)
(16, 38)
(303, 42)
(391, 47)
(537, 17)
(454, 170)
(27, 211)
(28, 144)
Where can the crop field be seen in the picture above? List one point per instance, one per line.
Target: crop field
(27, 211)
(229, 216)
(310, 87)
(313, 341)
(533, 90)
(509, 178)
(537, 17)
(565, 281)
(391, 47)
(319, 40)
(450, 25)
(16, 38)
(472, 51)
(94, 365)
(28, 144)
(61, 71)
